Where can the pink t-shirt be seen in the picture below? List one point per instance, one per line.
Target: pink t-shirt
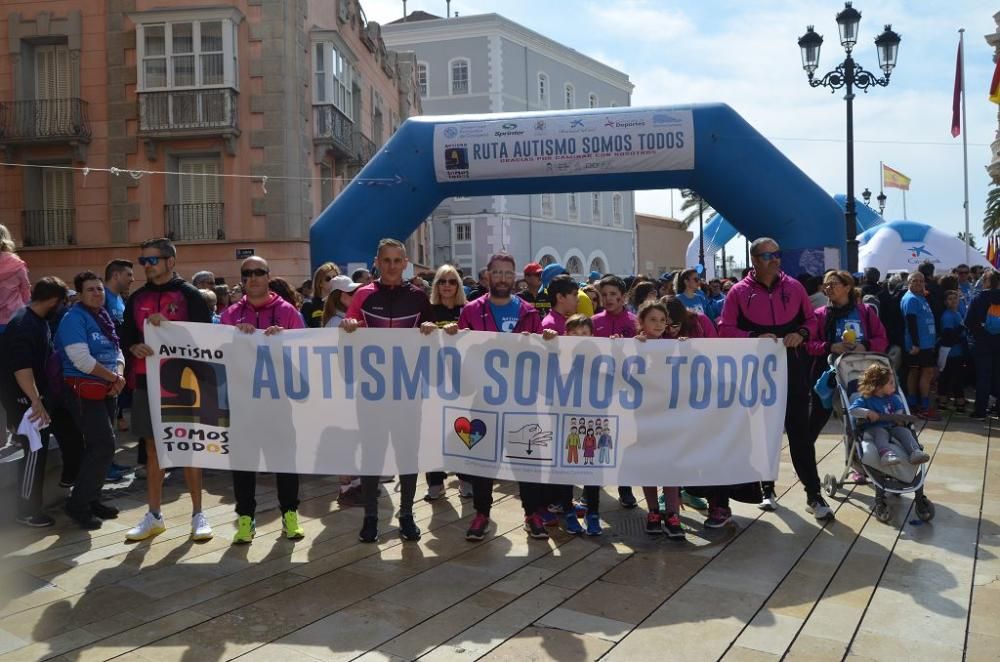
(606, 325)
(556, 322)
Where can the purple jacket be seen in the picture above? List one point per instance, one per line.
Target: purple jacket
(875, 338)
(276, 312)
(752, 310)
(476, 315)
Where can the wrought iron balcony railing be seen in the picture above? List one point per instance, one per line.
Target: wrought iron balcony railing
(48, 227)
(44, 120)
(333, 127)
(191, 222)
(188, 111)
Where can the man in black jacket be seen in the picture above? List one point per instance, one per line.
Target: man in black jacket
(25, 347)
(985, 345)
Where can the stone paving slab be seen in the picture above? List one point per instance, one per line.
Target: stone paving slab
(774, 586)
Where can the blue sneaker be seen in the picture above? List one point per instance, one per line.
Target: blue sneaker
(549, 518)
(571, 524)
(594, 524)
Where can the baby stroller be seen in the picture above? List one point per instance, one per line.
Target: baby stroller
(862, 456)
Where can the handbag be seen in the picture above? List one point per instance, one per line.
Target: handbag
(89, 389)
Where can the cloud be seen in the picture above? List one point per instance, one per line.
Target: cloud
(639, 20)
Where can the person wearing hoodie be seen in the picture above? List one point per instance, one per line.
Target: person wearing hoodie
(165, 297)
(15, 288)
(982, 321)
(768, 303)
(260, 309)
(584, 306)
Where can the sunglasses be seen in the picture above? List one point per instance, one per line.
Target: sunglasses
(447, 281)
(327, 279)
(151, 261)
(767, 256)
(250, 273)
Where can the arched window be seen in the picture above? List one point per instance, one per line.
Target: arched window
(458, 75)
(422, 78)
(570, 95)
(543, 90)
(593, 100)
(618, 209)
(547, 260)
(574, 266)
(597, 264)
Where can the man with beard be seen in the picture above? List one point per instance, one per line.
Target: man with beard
(505, 312)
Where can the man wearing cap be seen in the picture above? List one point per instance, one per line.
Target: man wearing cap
(535, 293)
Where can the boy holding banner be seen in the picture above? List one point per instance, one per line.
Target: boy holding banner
(502, 311)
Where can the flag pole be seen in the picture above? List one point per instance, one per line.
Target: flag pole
(965, 142)
(904, 207)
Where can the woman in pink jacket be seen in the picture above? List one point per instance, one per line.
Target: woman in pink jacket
(15, 289)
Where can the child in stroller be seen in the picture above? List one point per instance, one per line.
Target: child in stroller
(881, 407)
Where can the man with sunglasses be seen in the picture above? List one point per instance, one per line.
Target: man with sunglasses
(165, 297)
(260, 309)
(767, 303)
(966, 288)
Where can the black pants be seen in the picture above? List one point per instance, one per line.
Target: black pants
(31, 475)
(245, 490)
(987, 377)
(370, 490)
(951, 384)
(533, 497)
(94, 420)
(801, 444)
(563, 496)
(70, 439)
(435, 478)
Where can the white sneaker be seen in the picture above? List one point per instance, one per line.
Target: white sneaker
(434, 492)
(919, 457)
(200, 528)
(768, 502)
(465, 489)
(150, 526)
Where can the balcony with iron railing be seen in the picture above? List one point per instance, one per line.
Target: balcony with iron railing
(44, 121)
(194, 222)
(190, 113)
(48, 227)
(337, 132)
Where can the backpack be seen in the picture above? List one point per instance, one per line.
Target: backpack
(992, 321)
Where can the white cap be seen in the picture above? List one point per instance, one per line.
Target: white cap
(343, 284)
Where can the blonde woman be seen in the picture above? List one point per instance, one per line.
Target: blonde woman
(15, 288)
(312, 310)
(447, 300)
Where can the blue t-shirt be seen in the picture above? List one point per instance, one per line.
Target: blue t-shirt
(966, 292)
(926, 331)
(79, 327)
(115, 305)
(951, 319)
(851, 321)
(699, 303)
(506, 316)
(889, 404)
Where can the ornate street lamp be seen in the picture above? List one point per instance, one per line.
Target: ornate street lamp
(881, 202)
(849, 74)
(866, 195)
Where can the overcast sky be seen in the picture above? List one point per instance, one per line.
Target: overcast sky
(745, 54)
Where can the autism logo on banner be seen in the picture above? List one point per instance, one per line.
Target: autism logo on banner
(193, 391)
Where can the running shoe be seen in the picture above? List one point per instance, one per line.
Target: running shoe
(692, 501)
(535, 527)
(434, 492)
(555, 508)
(477, 529)
(718, 517)
(818, 508)
(654, 524)
(66, 484)
(626, 498)
(290, 526)
(408, 529)
(114, 475)
(246, 529)
(672, 526)
(200, 528)
(140, 471)
(39, 521)
(571, 524)
(594, 524)
(103, 510)
(85, 519)
(919, 457)
(151, 525)
(549, 519)
(369, 530)
(465, 489)
(768, 502)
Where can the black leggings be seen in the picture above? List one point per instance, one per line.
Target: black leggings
(370, 491)
(245, 490)
(801, 442)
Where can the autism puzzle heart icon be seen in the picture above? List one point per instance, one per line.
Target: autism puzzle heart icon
(470, 432)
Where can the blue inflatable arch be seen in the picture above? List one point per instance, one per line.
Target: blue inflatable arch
(742, 175)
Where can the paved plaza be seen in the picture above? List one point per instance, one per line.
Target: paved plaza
(776, 585)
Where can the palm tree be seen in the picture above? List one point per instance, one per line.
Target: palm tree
(689, 208)
(991, 219)
(972, 239)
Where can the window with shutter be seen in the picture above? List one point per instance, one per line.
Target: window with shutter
(199, 215)
(52, 84)
(57, 208)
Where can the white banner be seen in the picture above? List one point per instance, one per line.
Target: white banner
(573, 410)
(546, 146)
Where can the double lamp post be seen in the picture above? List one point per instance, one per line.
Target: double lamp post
(850, 75)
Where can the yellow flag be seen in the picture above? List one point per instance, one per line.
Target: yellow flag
(894, 179)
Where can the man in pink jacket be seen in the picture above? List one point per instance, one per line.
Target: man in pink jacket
(770, 304)
(262, 310)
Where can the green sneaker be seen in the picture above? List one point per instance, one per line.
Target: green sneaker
(246, 528)
(693, 502)
(290, 526)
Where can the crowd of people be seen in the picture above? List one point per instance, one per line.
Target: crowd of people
(72, 362)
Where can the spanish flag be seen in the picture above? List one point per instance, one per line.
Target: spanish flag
(894, 178)
(995, 85)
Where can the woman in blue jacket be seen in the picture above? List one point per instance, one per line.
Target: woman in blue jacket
(93, 367)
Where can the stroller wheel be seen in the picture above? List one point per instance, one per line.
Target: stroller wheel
(924, 508)
(882, 511)
(830, 485)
